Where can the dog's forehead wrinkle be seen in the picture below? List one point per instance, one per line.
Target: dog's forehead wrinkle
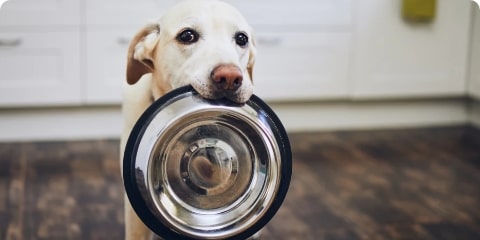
(188, 22)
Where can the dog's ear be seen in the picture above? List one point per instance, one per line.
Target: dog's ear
(140, 59)
(251, 58)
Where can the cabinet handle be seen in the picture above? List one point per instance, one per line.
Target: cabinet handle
(14, 42)
(123, 41)
(270, 41)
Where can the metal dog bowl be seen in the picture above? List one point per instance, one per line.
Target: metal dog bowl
(206, 169)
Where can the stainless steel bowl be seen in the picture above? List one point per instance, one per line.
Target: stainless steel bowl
(206, 169)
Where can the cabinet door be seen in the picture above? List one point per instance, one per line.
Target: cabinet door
(301, 66)
(395, 58)
(125, 12)
(106, 56)
(45, 12)
(39, 68)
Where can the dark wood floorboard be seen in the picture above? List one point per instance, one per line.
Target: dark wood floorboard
(390, 184)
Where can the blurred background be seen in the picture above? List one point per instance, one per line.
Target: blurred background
(359, 74)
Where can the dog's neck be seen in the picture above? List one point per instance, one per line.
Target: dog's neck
(159, 87)
(156, 93)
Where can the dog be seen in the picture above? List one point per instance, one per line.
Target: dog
(204, 43)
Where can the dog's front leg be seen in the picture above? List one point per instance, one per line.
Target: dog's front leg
(137, 98)
(134, 227)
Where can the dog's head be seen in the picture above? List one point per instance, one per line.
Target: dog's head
(205, 43)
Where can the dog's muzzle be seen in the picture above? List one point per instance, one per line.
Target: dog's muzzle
(206, 169)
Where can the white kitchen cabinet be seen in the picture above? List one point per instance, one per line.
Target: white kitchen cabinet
(40, 58)
(39, 68)
(395, 58)
(74, 52)
(17, 13)
(106, 58)
(300, 66)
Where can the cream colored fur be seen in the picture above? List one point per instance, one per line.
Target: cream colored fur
(158, 63)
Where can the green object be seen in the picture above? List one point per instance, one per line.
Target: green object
(419, 10)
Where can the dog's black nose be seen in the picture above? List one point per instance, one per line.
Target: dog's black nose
(227, 77)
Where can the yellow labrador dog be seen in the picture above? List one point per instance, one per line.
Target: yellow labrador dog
(205, 43)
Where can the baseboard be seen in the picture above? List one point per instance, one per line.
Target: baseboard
(60, 124)
(372, 114)
(105, 122)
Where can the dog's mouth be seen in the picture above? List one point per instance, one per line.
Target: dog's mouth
(239, 96)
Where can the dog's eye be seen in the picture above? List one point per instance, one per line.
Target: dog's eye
(188, 36)
(241, 39)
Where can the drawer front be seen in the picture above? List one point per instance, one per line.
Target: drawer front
(302, 12)
(125, 12)
(39, 68)
(302, 66)
(45, 12)
(106, 56)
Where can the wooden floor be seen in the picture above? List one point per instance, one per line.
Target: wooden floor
(397, 184)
